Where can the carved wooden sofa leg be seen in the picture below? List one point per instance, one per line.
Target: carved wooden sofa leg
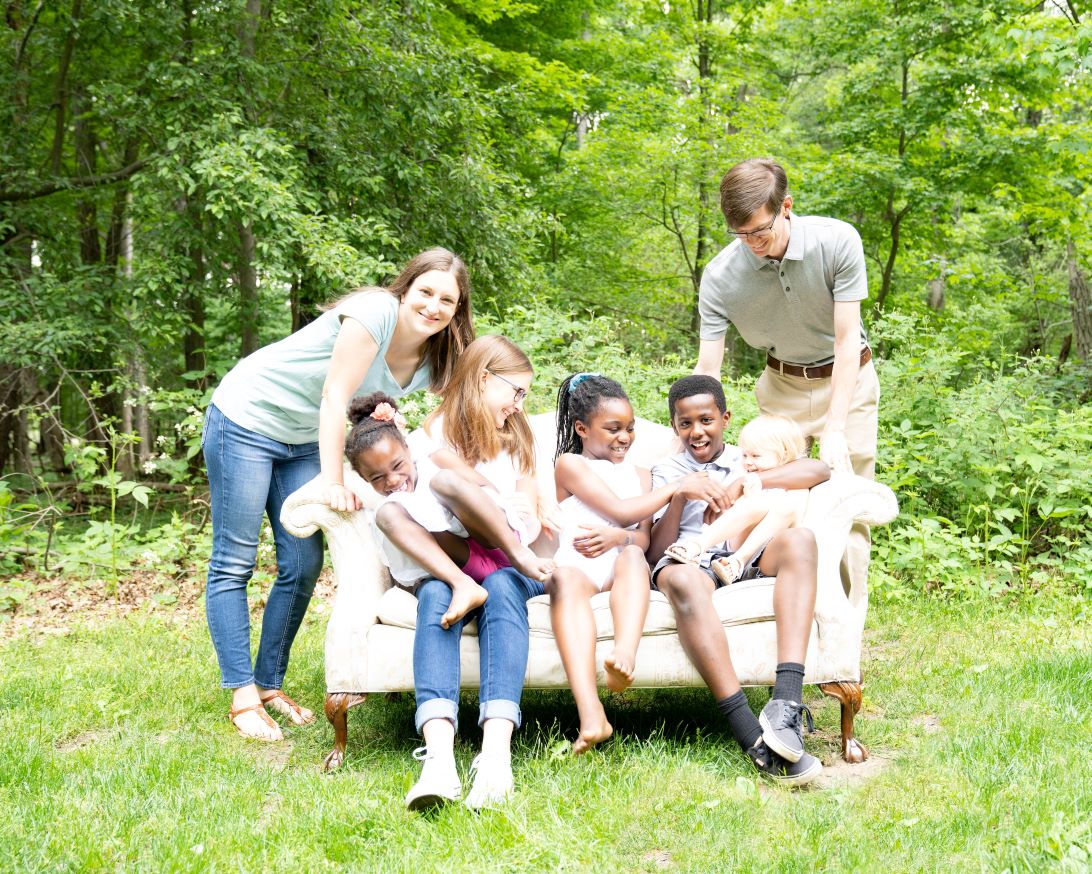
(849, 696)
(337, 711)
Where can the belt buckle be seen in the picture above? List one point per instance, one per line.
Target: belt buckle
(804, 368)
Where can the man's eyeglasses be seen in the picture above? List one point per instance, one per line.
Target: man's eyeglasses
(759, 233)
(520, 392)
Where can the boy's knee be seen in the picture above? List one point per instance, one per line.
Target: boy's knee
(800, 543)
(680, 583)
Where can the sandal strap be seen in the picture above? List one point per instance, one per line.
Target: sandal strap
(278, 695)
(257, 708)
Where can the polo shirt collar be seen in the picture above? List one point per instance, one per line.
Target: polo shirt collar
(795, 252)
(724, 460)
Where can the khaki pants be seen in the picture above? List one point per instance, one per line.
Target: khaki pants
(805, 401)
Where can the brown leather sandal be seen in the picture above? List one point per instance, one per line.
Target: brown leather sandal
(266, 718)
(297, 711)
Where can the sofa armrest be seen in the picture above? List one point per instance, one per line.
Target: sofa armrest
(359, 574)
(832, 509)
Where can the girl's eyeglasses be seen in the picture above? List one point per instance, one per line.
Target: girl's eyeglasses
(520, 392)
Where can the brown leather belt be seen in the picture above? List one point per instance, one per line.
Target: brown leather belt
(811, 371)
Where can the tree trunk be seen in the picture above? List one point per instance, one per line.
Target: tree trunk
(61, 90)
(247, 278)
(1080, 305)
(87, 216)
(246, 273)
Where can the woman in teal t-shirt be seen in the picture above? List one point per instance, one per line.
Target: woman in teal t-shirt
(276, 421)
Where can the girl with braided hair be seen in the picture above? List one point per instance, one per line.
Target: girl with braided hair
(607, 504)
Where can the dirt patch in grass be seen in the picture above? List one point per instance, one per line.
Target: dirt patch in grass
(840, 773)
(56, 604)
(82, 739)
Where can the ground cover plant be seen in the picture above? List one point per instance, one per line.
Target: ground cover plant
(115, 753)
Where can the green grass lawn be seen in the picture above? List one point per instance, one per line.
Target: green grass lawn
(115, 753)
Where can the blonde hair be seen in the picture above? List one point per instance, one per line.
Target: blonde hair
(776, 434)
(468, 426)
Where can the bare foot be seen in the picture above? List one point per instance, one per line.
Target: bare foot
(530, 565)
(589, 737)
(619, 667)
(253, 722)
(465, 596)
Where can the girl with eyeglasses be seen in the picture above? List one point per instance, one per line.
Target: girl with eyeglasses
(479, 432)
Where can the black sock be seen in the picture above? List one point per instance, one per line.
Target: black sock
(741, 721)
(789, 683)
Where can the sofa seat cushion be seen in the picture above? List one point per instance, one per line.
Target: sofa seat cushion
(743, 603)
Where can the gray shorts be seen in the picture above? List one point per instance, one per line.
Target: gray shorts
(751, 572)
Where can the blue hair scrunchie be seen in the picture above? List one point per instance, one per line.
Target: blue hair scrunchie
(579, 378)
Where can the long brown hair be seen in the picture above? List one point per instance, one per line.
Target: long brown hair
(442, 350)
(468, 425)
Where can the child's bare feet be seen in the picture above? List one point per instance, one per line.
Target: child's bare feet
(530, 565)
(466, 595)
(619, 667)
(589, 737)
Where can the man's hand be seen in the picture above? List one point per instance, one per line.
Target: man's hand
(341, 498)
(834, 450)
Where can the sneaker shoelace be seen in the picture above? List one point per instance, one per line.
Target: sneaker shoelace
(790, 718)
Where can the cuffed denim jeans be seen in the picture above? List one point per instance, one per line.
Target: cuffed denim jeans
(251, 476)
(503, 638)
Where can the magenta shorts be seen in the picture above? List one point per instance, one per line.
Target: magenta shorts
(482, 562)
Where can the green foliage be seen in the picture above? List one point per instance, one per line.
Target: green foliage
(989, 467)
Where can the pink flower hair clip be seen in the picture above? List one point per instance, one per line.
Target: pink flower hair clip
(384, 412)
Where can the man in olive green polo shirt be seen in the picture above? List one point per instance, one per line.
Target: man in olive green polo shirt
(792, 286)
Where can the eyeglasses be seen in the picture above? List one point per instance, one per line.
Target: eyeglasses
(759, 233)
(520, 391)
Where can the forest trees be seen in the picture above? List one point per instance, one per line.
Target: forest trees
(181, 182)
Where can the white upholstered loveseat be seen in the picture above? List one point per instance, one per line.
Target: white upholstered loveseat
(369, 637)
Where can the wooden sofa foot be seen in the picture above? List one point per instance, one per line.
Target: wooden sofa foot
(337, 711)
(849, 696)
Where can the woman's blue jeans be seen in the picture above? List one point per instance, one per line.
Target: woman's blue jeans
(503, 637)
(250, 476)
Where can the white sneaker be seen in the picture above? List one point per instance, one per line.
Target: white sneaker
(493, 782)
(438, 784)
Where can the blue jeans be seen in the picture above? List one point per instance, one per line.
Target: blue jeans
(502, 637)
(251, 476)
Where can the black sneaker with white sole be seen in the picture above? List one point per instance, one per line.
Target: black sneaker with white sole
(783, 729)
(773, 766)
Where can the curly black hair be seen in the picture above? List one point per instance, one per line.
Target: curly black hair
(577, 399)
(366, 431)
